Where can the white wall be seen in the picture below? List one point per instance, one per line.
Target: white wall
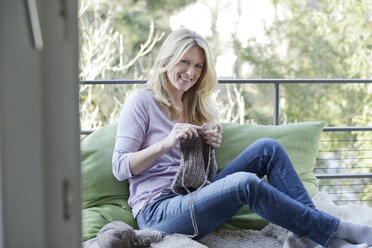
(39, 135)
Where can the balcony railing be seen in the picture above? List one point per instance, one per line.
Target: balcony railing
(358, 181)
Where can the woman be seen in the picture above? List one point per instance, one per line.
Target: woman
(173, 105)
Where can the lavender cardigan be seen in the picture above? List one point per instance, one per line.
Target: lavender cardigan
(142, 123)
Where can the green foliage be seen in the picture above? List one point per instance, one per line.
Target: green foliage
(330, 40)
(132, 20)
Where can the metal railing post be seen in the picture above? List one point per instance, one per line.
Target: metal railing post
(276, 103)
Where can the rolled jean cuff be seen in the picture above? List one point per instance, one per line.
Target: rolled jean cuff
(334, 228)
(328, 230)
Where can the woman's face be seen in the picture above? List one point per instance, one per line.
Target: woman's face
(187, 71)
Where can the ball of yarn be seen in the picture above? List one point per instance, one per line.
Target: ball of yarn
(148, 236)
(116, 234)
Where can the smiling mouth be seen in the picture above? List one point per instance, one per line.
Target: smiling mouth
(185, 79)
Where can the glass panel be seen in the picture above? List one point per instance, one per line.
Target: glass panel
(246, 103)
(339, 105)
(100, 104)
(346, 153)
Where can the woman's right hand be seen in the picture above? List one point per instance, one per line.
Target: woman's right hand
(181, 130)
(142, 160)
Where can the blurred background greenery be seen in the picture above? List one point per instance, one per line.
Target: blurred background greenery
(313, 39)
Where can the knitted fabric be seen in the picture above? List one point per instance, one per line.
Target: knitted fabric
(198, 164)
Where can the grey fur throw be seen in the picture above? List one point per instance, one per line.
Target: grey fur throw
(198, 165)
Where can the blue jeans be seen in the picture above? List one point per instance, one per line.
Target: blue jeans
(281, 200)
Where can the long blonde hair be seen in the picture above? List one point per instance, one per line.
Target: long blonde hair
(198, 104)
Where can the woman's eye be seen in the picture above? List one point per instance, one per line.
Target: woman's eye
(185, 61)
(199, 66)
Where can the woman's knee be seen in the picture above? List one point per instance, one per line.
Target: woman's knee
(242, 180)
(245, 186)
(268, 144)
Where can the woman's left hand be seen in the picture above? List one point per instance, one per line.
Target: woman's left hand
(213, 137)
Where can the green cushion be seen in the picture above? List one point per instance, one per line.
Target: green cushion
(102, 192)
(106, 199)
(300, 140)
(94, 218)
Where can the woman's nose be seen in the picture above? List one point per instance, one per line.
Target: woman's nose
(190, 71)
